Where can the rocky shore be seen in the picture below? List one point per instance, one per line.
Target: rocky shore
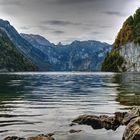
(39, 137)
(130, 119)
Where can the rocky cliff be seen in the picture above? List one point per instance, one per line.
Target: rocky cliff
(131, 54)
(125, 55)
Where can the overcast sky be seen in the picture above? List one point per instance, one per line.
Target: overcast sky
(68, 20)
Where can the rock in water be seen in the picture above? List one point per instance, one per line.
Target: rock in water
(132, 131)
(135, 112)
(109, 122)
(74, 131)
(131, 119)
(14, 138)
(119, 117)
(103, 121)
(41, 137)
(91, 120)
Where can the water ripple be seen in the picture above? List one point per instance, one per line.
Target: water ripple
(46, 102)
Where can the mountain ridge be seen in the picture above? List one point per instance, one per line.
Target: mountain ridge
(63, 57)
(77, 56)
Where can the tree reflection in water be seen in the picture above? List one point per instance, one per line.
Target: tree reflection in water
(129, 89)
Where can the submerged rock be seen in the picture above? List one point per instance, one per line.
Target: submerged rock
(39, 137)
(14, 138)
(74, 131)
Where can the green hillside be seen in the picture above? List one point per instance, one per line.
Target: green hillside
(10, 58)
(130, 32)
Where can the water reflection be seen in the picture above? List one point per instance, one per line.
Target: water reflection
(129, 89)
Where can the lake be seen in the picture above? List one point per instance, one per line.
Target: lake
(36, 103)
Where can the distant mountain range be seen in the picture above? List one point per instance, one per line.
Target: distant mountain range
(77, 56)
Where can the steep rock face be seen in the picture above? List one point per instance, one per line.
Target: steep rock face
(131, 53)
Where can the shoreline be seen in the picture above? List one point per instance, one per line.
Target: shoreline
(130, 119)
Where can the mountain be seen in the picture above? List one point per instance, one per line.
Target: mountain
(10, 58)
(77, 56)
(26, 48)
(125, 55)
(37, 40)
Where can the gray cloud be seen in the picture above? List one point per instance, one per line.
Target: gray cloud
(25, 28)
(11, 2)
(114, 13)
(58, 32)
(42, 27)
(95, 33)
(59, 23)
(105, 26)
(73, 1)
(47, 29)
(65, 20)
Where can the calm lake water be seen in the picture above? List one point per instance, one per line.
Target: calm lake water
(36, 103)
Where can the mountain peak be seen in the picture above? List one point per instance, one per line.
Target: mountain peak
(36, 38)
(59, 44)
(5, 22)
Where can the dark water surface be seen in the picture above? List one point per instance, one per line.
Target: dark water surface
(36, 103)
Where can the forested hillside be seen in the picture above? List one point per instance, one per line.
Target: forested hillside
(10, 58)
(129, 33)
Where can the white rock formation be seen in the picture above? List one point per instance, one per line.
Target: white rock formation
(131, 53)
